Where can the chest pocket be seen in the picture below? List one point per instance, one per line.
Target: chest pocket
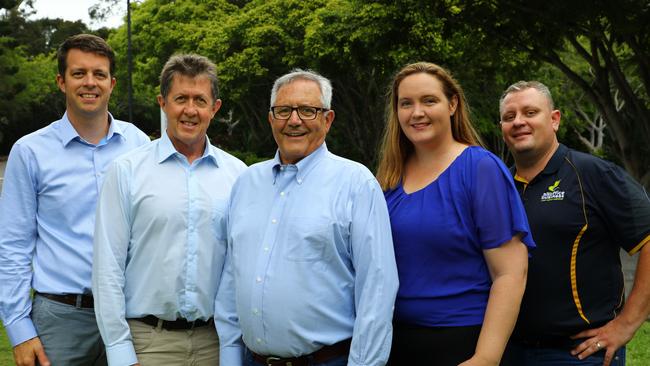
(308, 239)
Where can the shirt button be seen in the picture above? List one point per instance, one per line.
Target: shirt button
(266, 249)
(258, 340)
(281, 193)
(258, 279)
(274, 221)
(255, 311)
(299, 180)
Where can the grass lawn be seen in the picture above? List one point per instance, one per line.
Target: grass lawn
(6, 356)
(638, 350)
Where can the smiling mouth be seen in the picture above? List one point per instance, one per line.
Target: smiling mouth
(89, 96)
(420, 124)
(521, 134)
(189, 123)
(295, 134)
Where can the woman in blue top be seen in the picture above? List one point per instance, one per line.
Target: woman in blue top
(459, 229)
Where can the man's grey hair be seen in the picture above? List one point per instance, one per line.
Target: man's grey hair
(523, 85)
(190, 65)
(298, 74)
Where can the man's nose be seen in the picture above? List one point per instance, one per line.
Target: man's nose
(519, 119)
(190, 109)
(294, 118)
(89, 79)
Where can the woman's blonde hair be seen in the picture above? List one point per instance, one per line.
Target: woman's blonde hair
(395, 147)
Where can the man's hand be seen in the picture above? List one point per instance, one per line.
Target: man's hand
(610, 337)
(27, 352)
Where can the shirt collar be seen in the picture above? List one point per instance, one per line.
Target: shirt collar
(67, 133)
(556, 160)
(304, 166)
(167, 149)
(113, 128)
(551, 167)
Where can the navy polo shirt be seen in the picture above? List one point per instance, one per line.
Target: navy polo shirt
(581, 211)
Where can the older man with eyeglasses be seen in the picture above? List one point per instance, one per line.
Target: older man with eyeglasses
(311, 271)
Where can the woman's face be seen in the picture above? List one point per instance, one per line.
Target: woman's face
(423, 110)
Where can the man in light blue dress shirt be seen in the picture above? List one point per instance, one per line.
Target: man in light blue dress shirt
(310, 276)
(160, 233)
(47, 214)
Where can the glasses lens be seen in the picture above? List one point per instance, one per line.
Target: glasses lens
(307, 112)
(282, 112)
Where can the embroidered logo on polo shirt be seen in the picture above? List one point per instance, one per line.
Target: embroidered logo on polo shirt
(553, 194)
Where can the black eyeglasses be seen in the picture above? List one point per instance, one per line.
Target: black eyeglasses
(305, 112)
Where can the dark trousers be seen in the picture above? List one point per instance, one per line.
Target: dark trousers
(439, 346)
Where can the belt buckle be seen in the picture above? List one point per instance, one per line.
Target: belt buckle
(271, 360)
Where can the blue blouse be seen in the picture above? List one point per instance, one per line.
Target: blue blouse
(440, 232)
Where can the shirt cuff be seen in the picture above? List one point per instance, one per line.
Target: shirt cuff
(122, 354)
(21, 331)
(231, 355)
(352, 363)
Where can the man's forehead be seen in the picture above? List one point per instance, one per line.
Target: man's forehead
(300, 84)
(179, 78)
(523, 98)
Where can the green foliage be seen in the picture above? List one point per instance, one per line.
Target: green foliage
(159, 30)
(602, 48)
(359, 45)
(248, 157)
(6, 353)
(29, 97)
(638, 350)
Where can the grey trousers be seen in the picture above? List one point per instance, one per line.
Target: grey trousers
(69, 334)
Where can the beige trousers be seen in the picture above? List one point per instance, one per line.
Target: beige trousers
(155, 346)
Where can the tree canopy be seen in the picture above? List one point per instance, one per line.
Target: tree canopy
(612, 39)
(595, 62)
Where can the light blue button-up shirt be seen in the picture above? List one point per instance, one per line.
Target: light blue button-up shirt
(159, 246)
(47, 215)
(311, 262)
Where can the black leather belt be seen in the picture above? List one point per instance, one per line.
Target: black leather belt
(177, 324)
(322, 355)
(78, 300)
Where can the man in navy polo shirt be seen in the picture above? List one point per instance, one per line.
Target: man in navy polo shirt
(581, 210)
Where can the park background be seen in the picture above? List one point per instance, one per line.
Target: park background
(594, 55)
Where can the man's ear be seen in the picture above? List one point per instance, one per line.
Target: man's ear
(161, 101)
(329, 118)
(555, 119)
(215, 107)
(60, 82)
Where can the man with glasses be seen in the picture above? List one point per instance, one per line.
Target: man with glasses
(581, 211)
(311, 273)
